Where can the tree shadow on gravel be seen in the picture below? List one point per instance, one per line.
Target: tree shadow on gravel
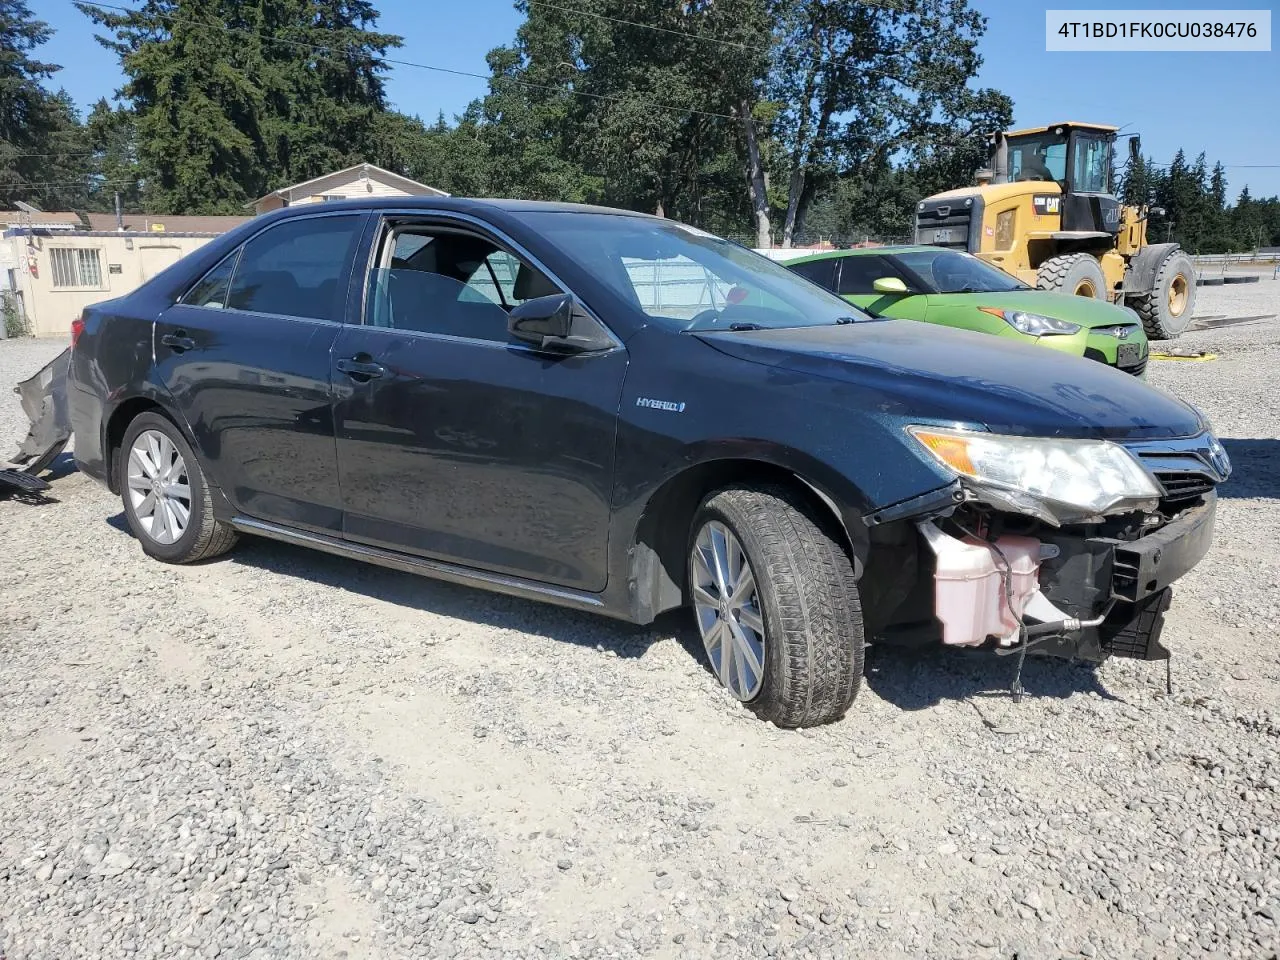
(1255, 468)
(916, 678)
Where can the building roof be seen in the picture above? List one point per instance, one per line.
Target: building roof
(311, 187)
(41, 220)
(148, 223)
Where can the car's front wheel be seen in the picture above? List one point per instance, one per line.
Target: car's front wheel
(776, 604)
(166, 499)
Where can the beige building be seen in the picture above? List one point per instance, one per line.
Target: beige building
(56, 264)
(354, 183)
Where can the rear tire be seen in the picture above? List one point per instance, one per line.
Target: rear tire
(166, 499)
(804, 595)
(1166, 310)
(1078, 274)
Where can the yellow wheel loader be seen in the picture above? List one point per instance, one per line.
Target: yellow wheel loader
(1042, 210)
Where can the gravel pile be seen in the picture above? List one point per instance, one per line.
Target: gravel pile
(283, 755)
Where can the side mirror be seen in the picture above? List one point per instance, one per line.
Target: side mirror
(556, 324)
(1135, 148)
(889, 285)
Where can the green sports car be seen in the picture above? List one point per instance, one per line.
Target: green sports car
(955, 289)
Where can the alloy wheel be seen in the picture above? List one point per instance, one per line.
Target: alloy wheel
(727, 609)
(159, 489)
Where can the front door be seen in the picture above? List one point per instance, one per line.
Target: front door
(856, 279)
(457, 442)
(245, 355)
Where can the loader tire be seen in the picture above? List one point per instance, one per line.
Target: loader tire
(1078, 274)
(1166, 309)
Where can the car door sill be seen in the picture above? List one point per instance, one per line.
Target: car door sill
(438, 569)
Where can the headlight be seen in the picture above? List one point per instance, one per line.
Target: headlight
(1033, 324)
(1058, 480)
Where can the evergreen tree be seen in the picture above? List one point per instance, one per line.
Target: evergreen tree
(41, 141)
(233, 99)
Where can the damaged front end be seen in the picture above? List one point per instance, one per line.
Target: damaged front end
(1076, 562)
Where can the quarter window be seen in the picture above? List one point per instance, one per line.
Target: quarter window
(295, 269)
(211, 289)
(821, 272)
(75, 267)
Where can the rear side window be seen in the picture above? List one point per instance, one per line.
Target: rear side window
(859, 274)
(295, 269)
(821, 272)
(211, 289)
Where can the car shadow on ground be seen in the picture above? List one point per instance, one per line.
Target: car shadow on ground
(1255, 467)
(916, 678)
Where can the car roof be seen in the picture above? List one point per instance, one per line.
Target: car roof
(456, 205)
(865, 251)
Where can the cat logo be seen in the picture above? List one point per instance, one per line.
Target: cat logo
(1046, 204)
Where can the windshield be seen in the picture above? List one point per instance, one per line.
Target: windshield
(949, 271)
(1042, 156)
(688, 278)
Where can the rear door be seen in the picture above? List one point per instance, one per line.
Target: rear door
(246, 357)
(456, 441)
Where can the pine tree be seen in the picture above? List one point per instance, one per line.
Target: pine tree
(41, 140)
(233, 99)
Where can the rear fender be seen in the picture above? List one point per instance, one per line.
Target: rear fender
(150, 395)
(1141, 275)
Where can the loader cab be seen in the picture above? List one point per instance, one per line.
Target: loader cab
(1077, 158)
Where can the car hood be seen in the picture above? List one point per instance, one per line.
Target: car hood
(1082, 310)
(911, 371)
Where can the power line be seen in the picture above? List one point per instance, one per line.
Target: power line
(749, 47)
(11, 187)
(16, 156)
(421, 66)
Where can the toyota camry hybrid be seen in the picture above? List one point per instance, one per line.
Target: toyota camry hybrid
(621, 414)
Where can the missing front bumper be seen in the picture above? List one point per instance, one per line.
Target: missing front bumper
(1134, 576)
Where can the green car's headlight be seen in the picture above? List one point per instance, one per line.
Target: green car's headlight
(1076, 479)
(1033, 324)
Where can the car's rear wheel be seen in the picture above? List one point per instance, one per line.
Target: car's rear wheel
(776, 604)
(166, 499)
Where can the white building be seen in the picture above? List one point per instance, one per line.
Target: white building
(354, 183)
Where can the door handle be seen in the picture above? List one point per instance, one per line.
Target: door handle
(362, 370)
(178, 341)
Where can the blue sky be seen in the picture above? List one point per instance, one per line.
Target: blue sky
(1224, 104)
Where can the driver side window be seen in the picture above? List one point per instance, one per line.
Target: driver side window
(445, 281)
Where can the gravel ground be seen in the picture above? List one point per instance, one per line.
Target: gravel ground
(283, 755)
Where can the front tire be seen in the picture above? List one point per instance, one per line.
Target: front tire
(776, 604)
(1078, 274)
(1166, 309)
(166, 499)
